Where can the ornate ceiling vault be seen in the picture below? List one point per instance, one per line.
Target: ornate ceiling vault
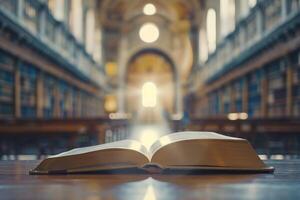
(113, 13)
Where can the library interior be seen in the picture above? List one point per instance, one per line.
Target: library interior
(79, 73)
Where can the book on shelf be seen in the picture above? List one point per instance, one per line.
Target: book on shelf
(181, 152)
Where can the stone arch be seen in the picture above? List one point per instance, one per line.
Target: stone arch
(173, 70)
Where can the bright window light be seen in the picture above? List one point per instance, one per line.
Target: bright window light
(252, 3)
(149, 95)
(149, 9)
(148, 137)
(233, 116)
(149, 32)
(236, 116)
(211, 27)
(243, 116)
(150, 194)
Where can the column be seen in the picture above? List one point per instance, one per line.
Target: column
(289, 90)
(56, 102)
(178, 100)
(39, 95)
(79, 105)
(283, 9)
(232, 99)
(20, 7)
(195, 31)
(122, 58)
(264, 94)
(259, 21)
(42, 23)
(17, 90)
(221, 101)
(245, 95)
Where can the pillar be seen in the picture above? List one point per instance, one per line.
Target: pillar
(178, 97)
(17, 90)
(56, 102)
(232, 99)
(39, 95)
(221, 102)
(20, 9)
(264, 94)
(289, 90)
(283, 9)
(245, 95)
(259, 21)
(42, 23)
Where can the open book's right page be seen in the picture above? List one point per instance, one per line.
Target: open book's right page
(205, 149)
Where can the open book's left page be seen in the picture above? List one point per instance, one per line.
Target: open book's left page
(116, 155)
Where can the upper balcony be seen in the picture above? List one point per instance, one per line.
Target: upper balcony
(266, 22)
(33, 19)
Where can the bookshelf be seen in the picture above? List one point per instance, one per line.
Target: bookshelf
(49, 98)
(296, 85)
(216, 103)
(6, 86)
(28, 75)
(254, 94)
(226, 99)
(65, 100)
(276, 90)
(296, 94)
(238, 102)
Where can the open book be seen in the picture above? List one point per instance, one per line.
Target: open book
(182, 151)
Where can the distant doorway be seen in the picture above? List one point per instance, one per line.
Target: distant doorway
(150, 85)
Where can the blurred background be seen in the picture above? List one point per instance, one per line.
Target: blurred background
(76, 73)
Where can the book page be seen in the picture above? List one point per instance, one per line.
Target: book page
(115, 155)
(204, 149)
(123, 144)
(187, 135)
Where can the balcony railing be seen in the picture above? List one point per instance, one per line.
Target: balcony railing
(35, 17)
(261, 21)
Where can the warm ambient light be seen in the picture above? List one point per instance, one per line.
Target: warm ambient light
(149, 95)
(150, 194)
(149, 9)
(149, 32)
(148, 137)
(236, 116)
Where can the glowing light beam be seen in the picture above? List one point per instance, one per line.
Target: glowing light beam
(149, 95)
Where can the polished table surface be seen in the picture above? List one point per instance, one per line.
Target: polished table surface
(15, 183)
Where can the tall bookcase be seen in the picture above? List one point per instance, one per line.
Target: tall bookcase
(48, 96)
(28, 77)
(296, 84)
(6, 86)
(214, 103)
(238, 100)
(276, 89)
(226, 99)
(254, 94)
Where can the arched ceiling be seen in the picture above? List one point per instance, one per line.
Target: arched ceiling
(114, 13)
(149, 63)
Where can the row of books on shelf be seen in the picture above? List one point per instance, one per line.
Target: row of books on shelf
(6, 109)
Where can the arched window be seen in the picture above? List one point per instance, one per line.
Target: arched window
(203, 49)
(98, 46)
(51, 5)
(227, 12)
(76, 18)
(57, 8)
(90, 30)
(252, 3)
(211, 23)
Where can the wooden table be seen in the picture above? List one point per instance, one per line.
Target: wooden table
(15, 183)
